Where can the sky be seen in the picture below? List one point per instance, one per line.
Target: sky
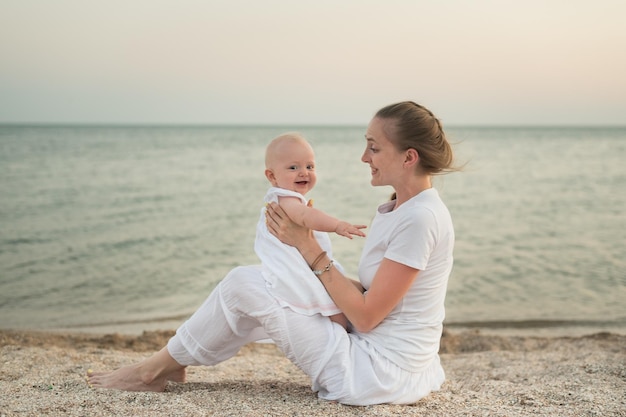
(478, 62)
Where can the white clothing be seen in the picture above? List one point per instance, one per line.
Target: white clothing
(287, 274)
(342, 366)
(418, 234)
(397, 362)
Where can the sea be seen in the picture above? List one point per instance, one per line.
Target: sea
(129, 228)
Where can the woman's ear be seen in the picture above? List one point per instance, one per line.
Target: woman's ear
(411, 157)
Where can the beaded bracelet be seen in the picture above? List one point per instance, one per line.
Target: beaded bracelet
(319, 272)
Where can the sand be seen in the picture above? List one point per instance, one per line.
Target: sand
(487, 375)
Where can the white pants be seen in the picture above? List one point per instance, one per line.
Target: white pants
(341, 365)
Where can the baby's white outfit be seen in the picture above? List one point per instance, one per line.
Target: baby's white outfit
(289, 278)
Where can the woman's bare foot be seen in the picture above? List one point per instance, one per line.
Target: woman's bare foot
(150, 374)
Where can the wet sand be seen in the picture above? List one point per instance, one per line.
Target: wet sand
(42, 373)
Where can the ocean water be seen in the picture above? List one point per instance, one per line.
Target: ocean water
(109, 228)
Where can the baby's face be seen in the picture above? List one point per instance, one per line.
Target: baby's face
(293, 167)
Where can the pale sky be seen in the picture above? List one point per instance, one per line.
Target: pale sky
(530, 62)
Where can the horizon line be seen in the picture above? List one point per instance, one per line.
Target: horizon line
(309, 125)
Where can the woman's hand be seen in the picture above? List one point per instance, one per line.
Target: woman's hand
(281, 226)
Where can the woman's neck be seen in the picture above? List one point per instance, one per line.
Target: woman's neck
(412, 188)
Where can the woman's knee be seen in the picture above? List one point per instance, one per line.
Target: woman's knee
(242, 277)
(244, 287)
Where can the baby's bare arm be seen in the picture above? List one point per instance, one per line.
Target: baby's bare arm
(315, 219)
(346, 229)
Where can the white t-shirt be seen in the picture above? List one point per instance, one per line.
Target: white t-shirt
(418, 234)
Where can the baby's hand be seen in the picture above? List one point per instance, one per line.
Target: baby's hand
(346, 229)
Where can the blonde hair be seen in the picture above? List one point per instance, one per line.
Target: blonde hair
(415, 127)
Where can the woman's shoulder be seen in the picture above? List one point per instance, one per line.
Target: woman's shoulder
(426, 208)
(428, 200)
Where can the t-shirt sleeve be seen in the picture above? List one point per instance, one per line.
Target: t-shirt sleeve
(413, 240)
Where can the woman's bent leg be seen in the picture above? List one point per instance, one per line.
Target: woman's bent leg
(218, 329)
(212, 334)
(238, 311)
(241, 310)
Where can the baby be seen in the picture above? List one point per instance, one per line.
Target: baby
(290, 168)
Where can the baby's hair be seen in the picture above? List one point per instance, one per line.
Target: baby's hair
(284, 137)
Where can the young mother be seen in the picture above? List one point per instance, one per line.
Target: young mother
(396, 309)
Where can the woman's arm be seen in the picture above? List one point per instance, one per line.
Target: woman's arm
(364, 310)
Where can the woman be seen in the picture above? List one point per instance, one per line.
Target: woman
(396, 309)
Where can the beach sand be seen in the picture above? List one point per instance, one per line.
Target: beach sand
(42, 373)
